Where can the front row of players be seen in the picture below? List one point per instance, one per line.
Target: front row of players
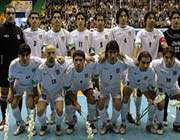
(60, 82)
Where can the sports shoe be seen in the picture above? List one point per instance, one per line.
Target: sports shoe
(103, 129)
(2, 123)
(151, 129)
(115, 128)
(130, 118)
(93, 127)
(122, 129)
(160, 129)
(20, 129)
(70, 129)
(43, 130)
(165, 123)
(176, 128)
(58, 130)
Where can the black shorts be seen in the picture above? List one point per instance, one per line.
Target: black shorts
(4, 75)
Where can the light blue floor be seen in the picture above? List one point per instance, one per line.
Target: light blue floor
(133, 133)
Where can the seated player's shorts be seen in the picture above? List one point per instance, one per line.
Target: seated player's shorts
(51, 97)
(82, 88)
(172, 92)
(19, 90)
(4, 75)
(115, 93)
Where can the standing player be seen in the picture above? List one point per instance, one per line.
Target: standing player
(79, 78)
(82, 36)
(34, 36)
(172, 36)
(21, 73)
(11, 36)
(49, 75)
(168, 72)
(58, 36)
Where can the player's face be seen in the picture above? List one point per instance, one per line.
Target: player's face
(10, 15)
(175, 21)
(24, 58)
(79, 63)
(100, 22)
(151, 21)
(56, 21)
(169, 59)
(80, 22)
(112, 56)
(144, 63)
(34, 21)
(51, 55)
(123, 19)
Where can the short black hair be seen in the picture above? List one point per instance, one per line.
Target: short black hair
(81, 13)
(55, 12)
(99, 14)
(33, 13)
(112, 45)
(169, 50)
(119, 13)
(173, 13)
(148, 14)
(79, 53)
(9, 6)
(144, 54)
(24, 48)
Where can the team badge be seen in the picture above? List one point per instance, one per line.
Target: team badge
(174, 73)
(57, 72)
(117, 70)
(86, 75)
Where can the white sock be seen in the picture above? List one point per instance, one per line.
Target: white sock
(151, 113)
(160, 115)
(103, 115)
(115, 116)
(59, 119)
(177, 120)
(17, 114)
(124, 111)
(42, 119)
(70, 112)
(91, 112)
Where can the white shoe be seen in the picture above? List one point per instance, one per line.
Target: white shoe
(115, 128)
(123, 129)
(103, 129)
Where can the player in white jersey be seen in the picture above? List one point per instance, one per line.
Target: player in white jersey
(34, 36)
(110, 73)
(149, 38)
(50, 76)
(168, 72)
(143, 78)
(100, 36)
(82, 36)
(58, 36)
(123, 33)
(79, 78)
(21, 73)
(125, 36)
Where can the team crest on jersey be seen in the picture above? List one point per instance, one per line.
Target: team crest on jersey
(86, 75)
(129, 33)
(40, 36)
(155, 36)
(62, 38)
(57, 72)
(86, 37)
(106, 36)
(33, 69)
(174, 73)
(117, 70)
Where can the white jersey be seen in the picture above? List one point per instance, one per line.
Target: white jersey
(35, 39)
(23, 75)
(166, 77)
(149, 41)
(99, 40)
(82, 40)
(51, 79)
(111, 74)
(125, 38)
(142, 80)
(60, 40)
(79, 80)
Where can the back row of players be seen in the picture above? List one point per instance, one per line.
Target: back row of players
(112, 69)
